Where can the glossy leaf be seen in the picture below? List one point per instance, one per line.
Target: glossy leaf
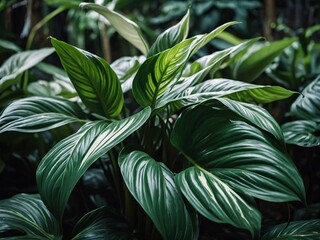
(128, 29)
(307, 106)
(20, 62)
(63, 166)
(171, 36)
(152, 185)
(102, 223)
(27, 213)
(302, 133)
(216, 200)
(253, 63)
(36, 114)
(244, 157)
(227, 88)
(96, 83)
(297, 230)
(158, 73)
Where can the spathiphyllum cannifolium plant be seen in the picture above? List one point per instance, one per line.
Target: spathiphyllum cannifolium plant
(176, 142)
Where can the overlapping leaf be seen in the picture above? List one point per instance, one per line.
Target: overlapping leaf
(27, 213)
(302, 133)
(152, 184)
(96, 83)
(63, 166)
(158, 73)
(298, 230)
(171, 36)
(102, 223)
(255, 60)
(36, 114)
(240, 155)
(20, 62)
(128, 29)
(307, 106)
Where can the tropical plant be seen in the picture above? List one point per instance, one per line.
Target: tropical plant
(174, 145)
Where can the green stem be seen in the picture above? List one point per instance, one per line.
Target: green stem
(42, 23)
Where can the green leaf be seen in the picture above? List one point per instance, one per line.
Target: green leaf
(63, 166)
(158, 73)
(244, 157)
(128, 29)
(253, 63)
(96, 83)
(297, 230)
(216, 200)
(36, 114)
(307, 106)
(171, 36)
(20, 62)
(302, 133)
(27, 214)
(227, 88)
(102, 223)
(7, 45)
(152, 185)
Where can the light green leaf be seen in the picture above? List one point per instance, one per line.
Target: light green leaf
(159, 72)
(96, 83)
(128, 29)
(7, 45)
(298, 230)
(63, 166)
(20, 62)
(102, 223)
(27, 213)
(171, 36)
(253, 63)
(36, 114)
(307, 106)
(244, 157)
(152, 185)
(302, 133)
(216, 200)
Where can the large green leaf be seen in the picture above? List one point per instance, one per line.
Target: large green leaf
(158, 73)
(253, 63)
(102, 223)
(27, 214)
(302, 133)
(298, 230)
(128, 29)
(171, 36)
(20, 62)
(244, 157)
(96, 83)
(63, 166)
(36, 114)
(216, 200)
(227, 88)
(307, 106)
(152, 184)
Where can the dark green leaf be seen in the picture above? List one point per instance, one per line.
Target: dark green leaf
(171, 36)
(63, 166)
(96, 83)
(244, 157)
(253, 63)
(298, 230)
(20, 62)
(152, 184)
(36, 114)
(302, 133)
(27, 214)
(307, 106)
(128, 29)
(216, 200)
(102, 223)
